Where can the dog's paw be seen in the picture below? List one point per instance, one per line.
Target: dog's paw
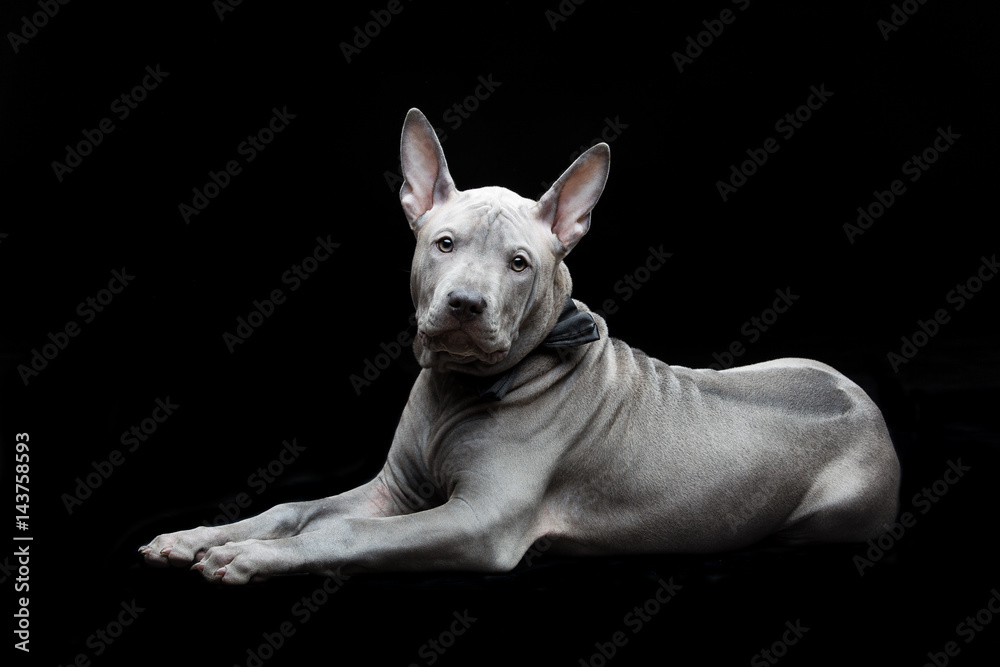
(181, 548)
(237, 563)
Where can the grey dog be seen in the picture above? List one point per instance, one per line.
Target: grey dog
(528, 421)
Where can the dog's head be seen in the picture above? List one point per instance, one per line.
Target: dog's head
(488, 262)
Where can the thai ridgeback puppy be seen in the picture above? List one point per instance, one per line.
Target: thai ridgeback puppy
(528, 421)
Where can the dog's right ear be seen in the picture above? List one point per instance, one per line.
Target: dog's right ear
(426, 180)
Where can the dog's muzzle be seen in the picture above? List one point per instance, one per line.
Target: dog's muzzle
(461, 345)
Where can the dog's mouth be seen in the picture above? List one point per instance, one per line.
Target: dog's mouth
(462, 347)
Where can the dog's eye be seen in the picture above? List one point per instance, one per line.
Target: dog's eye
(519, 264)
(446, 245)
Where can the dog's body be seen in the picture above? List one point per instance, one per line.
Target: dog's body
(593, 445)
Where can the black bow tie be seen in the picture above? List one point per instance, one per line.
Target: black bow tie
(573, 328)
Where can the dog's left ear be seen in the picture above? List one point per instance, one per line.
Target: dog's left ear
(426, 180)
(566, 206)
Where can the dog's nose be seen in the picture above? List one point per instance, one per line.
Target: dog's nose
(466, 304)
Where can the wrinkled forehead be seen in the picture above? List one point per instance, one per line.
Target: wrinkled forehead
(487, 212)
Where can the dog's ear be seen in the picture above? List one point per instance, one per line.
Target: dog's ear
(566, 206)
(426, 181)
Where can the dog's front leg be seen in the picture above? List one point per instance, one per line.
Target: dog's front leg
(454, 536)
(185, 547)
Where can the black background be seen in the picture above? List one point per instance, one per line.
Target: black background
(557, 86)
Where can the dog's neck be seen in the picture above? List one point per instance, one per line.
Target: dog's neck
(572, 329)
